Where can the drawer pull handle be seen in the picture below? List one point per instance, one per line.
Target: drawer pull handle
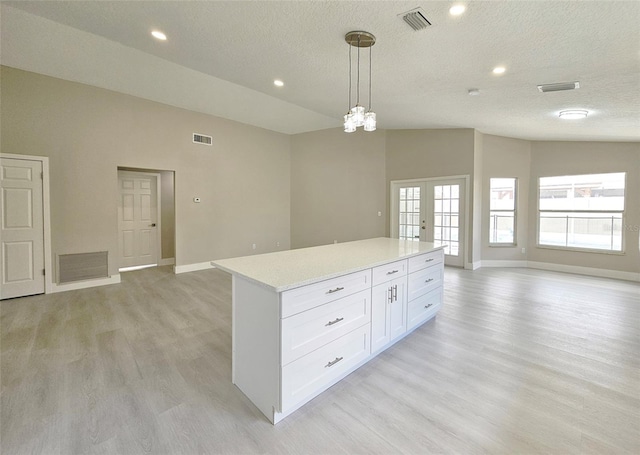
(331, 291)
(427, 306)
(429, 280)
(333, 362)
(333, 322)
(428, 260)
(392, 272)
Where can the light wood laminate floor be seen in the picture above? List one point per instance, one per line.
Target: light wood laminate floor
(518, 361)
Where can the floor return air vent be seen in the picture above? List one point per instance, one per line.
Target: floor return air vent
(82, 266)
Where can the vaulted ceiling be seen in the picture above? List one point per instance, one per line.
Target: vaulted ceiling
(221, 58)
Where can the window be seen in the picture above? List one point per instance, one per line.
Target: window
(581, 211)
(502, 211)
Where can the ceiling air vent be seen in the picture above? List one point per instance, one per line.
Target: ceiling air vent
(416, 18)
(202, 139)
(559, 86)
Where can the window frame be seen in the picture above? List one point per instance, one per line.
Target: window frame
(622, 213)
(515, 215)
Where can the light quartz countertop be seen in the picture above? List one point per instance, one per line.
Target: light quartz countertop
(284, 270)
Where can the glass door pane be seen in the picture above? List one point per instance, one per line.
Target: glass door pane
(446, 213)
(409, 206)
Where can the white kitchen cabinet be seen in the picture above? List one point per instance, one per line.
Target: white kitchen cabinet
(388, 312)
(304, 319)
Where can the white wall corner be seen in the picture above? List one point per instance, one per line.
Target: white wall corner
(167, 261)
(591, 271)
(113, 279)
(192, 267)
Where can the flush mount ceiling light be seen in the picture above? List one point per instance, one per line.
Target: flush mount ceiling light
(278, 83)
(573, 114)
(457, 10)
(157, 34)
(356, 116)
(499, 70)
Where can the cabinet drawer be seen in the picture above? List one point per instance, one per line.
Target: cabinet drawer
(312, 373)
(311, 329)
(423, 281)
(306, 297)
(388, 272)
(424, 308)
(425, 260)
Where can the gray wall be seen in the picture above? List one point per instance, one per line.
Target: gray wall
(267, 188)
(413, 154)
(567, 158)
(87, 133)
(506, 157)
(337, 187)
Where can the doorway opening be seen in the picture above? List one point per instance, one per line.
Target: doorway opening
(146, 218)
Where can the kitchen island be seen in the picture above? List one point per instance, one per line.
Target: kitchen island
(304, 319)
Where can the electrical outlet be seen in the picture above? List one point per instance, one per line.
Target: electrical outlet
(277, 243)
(379, 213)
(253, 246)
(523, 251)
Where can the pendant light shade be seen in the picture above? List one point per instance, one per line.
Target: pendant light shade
(356, 115)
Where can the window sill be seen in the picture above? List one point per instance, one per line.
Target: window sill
(580, 250)
(503, 245)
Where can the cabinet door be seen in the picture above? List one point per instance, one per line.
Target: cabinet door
(381, 297)
(388, 312)
(398, 309)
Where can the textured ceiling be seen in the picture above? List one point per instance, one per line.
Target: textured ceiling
(222, 57)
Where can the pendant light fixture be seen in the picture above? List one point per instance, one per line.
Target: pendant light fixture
(356, 115)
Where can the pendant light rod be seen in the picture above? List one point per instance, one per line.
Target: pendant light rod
(358, 78)
(369, 78)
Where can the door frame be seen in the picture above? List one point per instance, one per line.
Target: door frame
(158, 177)
(393, 208)
(46, 214)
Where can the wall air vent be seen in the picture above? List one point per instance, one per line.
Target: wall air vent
(416, 18)
(202, 139)
(558, 86)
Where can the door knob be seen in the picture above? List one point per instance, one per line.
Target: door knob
(423, 227)
(153, 225)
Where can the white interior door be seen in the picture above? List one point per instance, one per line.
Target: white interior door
(431, 210)
(138, 220)
(22, 228)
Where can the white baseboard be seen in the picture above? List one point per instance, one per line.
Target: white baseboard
(113, 279)
(192, 267)
(605, 273)
(504, 263)
(167, 261)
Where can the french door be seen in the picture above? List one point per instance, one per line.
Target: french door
(431, 210)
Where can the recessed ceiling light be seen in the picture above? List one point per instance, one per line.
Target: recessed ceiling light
(457, 10)
(278, 83)
(499, 70)
(573, 114)
(159, 35)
